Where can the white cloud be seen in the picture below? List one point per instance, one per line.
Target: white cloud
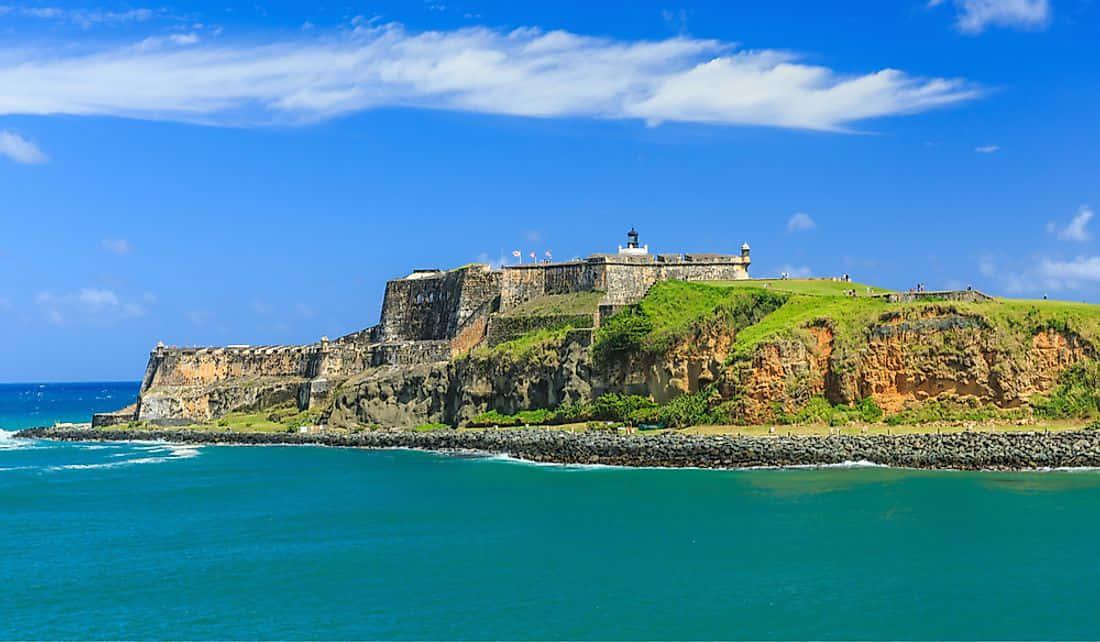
(20, 149)
(261, 308)
(1071, 273)
(1077, 229)
(5, 304)
(526, 72)
(82, 17)
(796, 272)
(180, 39)
(800, 222)
(199, 317)
(96, 305)
(117, 246)
(304, 310)
(491, 262)
(987, 149)
(974, 16)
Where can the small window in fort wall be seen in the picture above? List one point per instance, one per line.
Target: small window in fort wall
(431, 297)
(419, 299)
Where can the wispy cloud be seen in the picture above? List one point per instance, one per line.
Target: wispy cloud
(796, 272)
(20, 149)
(1077, 229)
(312, 76)
(975, 16)
(178, 39)
(98, 305)
(1070, 273)
(800, 222)
(116, 246)
(83, 17)
(1044, 275)
(987, 149)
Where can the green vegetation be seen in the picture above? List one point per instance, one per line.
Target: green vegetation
(551, 305)
(848, 318)
(931, 412)
(672, 309)
(283, 419)
(534, 347)
(813, 287)
(1077, 394)
(431, 427)
(819, 411)
(685, 410)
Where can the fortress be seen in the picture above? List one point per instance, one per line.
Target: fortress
(429, 316)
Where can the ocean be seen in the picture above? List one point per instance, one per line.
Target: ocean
(155, 540)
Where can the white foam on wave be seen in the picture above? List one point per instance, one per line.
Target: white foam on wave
(527, 462)
(861, 463)
(9, 442)
(174, 452)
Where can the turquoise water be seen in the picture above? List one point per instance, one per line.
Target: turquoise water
(152, 540)
(23, 405)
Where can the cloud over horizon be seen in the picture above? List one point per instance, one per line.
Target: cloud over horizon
(116, 246)
(528, 72)
(94, 305)
(20, 149)
(801, 222)
(1077, 229)
(975, 16)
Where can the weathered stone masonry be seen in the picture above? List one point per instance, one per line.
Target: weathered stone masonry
(427, 317)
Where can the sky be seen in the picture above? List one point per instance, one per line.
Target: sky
(204, 173)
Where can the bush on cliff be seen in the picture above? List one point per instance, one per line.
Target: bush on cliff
(1076, 396)
(694, 409)
(621, 334)
(609, 407)
(949, 412)
(819, 411)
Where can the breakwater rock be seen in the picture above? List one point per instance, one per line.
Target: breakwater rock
(966, 451)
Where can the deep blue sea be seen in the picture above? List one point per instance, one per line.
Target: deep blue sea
(155, 540)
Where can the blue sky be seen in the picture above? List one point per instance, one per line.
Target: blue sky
(212, 173)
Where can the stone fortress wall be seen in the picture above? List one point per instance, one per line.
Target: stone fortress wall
(431, 315)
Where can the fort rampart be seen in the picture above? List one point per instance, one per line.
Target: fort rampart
(427, 317)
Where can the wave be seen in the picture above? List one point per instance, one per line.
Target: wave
(8, 441)
(862, 463)
(174, 452)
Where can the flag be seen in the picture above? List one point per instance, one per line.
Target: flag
(548, 255)
(517, 253)
(532, 255)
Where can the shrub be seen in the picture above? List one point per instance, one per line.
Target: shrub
(948, 411)
(692, 409)
(869, 411)
(622, 333)
(432, 426)
(1077, 394)
(616, 407)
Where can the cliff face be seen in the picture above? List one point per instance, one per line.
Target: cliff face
(925, 354)
(757, 354)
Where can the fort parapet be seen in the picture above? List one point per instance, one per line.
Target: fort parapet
(427, 316)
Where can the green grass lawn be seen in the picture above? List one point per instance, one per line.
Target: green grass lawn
(548, 305)
(814, 287)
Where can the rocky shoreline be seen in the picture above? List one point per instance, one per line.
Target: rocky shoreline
(963, 451)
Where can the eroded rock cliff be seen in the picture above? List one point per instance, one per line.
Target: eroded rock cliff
(757, 354)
